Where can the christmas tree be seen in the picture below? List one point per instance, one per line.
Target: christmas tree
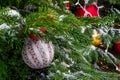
(59, 40)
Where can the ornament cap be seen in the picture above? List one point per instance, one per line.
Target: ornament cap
(66, 2)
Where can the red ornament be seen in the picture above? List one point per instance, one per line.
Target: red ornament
(116, 47)
(91, 10)
(42, 29)
(118, 65)
(33, 37)
(67, 4)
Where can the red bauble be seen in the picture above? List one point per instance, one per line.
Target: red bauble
(116, 47)
(118, 65)
(67, 5)
(33, 37)
(92, 10)
(42, 29)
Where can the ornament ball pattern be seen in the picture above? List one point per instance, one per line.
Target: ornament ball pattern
(37, 54)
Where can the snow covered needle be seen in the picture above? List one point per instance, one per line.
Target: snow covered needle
(13, 13)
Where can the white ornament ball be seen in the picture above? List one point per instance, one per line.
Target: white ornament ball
(37, 54)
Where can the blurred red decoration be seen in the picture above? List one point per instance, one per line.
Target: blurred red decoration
(87, 10)
(67, 4)
(116, 47)
(33, 37)
(42, 29)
